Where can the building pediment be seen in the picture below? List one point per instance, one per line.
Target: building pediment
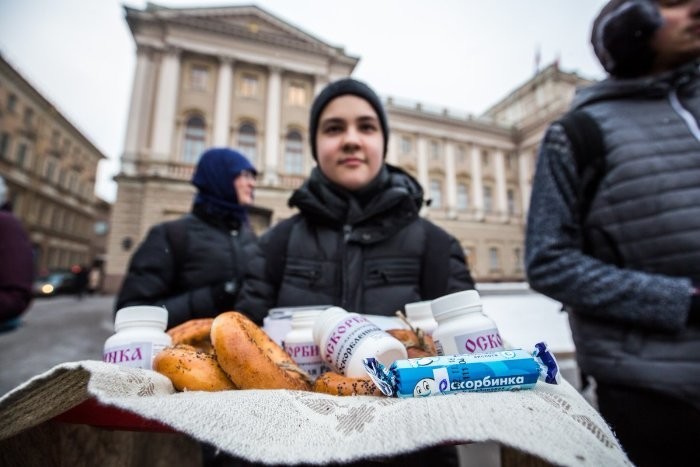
(240, 21)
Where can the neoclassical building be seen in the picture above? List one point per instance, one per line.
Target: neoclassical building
(239, 76)
(50, 167)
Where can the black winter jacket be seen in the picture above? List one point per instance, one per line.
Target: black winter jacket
(365, 257)
(214, 254)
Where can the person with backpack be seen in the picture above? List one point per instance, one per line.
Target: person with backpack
(614, 232)
(358, 241)
(193, 266)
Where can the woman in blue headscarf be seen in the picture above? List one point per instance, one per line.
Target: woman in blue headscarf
(194, 265)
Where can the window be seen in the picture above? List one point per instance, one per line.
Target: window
(435, 193)
(28, 116)
(494, 260)
(293, 153)
(4, 144)
(406, 146)
(248, 141)
(249, 85)
(485, 158)
(434, 150)
(61, 177)
(296, 94)
(462, 197)
(461, 155)
(517, 253)
(49, 169)
(11, 103)
(55, 138)
(488, 199)
(21, 155)
(194, 139)
(199, 78)
(511, 201)
(510, 161)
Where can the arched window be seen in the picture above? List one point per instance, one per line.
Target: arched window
(294, 153)
(194, 139)
(248, 141)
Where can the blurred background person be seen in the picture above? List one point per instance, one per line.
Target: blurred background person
(194, 265)
(16, 265)
(628, 265)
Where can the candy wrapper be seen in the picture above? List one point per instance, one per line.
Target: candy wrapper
(492, 371)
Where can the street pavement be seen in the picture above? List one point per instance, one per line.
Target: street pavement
(53, 331)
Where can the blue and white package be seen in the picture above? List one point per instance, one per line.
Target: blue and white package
(505, 370)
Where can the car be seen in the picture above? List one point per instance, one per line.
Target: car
(54, 283)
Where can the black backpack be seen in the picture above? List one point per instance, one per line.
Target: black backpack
(434, 276)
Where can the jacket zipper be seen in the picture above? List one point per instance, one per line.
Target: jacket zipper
(234, 250)
(347, 231)
(684, 114)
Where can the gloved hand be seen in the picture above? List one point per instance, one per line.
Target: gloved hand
(224, 294)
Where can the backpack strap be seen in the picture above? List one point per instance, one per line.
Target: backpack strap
(176, 234)
(435, 269)
(276, 253)
(586, 139)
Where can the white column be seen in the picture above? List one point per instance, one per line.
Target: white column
(477, 183)
(525, 179)
(501, 198)
(166, 100)
(422, 165)
(222, 112)
(392, 153)
(320, 82)
(138, 101)
(272, 125)
(450, 178)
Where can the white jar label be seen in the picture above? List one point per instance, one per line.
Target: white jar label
(308, 357)
(344, 340)
(485, 340)
(135, 354)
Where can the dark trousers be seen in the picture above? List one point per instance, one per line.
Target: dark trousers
(654, 429)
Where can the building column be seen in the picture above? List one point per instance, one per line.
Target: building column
(222, 111)
(392, 152)
(166, 101)
(320, 82)
(450, 179)
(135, 122)
(477, 182)
(272, 125)
(422, 165)
(501, 197)
(524, 179)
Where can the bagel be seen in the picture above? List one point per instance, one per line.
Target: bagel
(418, 344)
(338, 385)
(194, 332)
(190, 369)
(251, 358)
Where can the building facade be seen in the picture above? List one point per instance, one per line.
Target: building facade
(239, 76)
(50, 168)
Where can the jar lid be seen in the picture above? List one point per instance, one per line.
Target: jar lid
(141, 313)
(418, 310)
(467, 300)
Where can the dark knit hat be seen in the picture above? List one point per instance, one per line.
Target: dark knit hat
(340, 88)
(621, 37)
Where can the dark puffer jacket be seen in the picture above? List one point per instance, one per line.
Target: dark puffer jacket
(214, 254)
(363, 256)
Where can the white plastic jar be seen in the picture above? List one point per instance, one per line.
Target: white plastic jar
(345, 339)
(300, 345)
(463, 328)
(420, 315)
(140, 335)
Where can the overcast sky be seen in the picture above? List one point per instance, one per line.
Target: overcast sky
(460, 54)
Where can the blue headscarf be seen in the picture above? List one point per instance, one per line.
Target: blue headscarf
(216, 170)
